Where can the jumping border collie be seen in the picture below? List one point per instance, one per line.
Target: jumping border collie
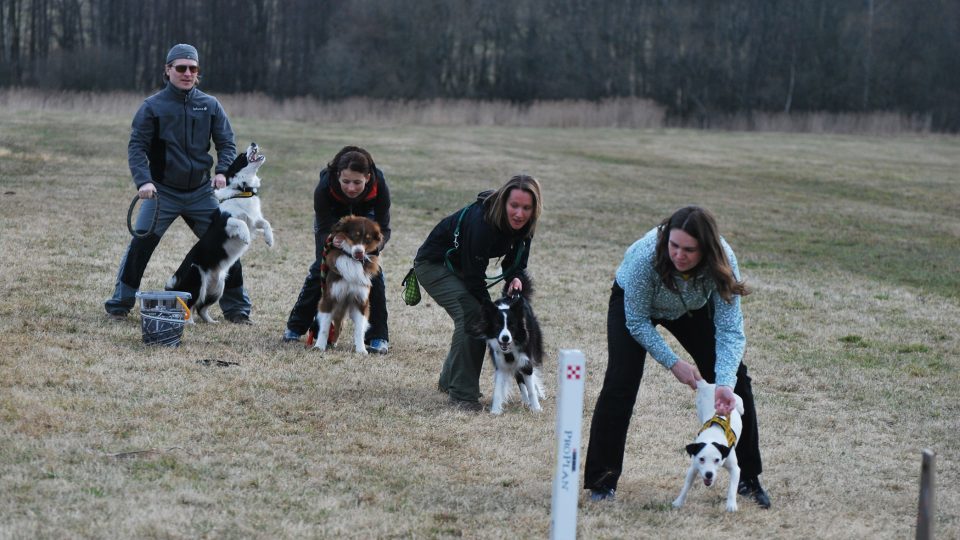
(240, 196)
(714, 446)
(350, 267)
(203, 271)
(516, 346)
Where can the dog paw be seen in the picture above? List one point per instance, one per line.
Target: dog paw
(678, 502)
(732, 506)
(496, 411)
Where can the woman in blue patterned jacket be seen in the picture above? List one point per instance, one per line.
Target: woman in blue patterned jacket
(683, 276)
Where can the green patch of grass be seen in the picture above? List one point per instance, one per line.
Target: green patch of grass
(752, 264)
(864, 360)
(95, 491)
(151, 469)
(913, 348)
(856, 341)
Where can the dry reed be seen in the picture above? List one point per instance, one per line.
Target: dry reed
(632, 113)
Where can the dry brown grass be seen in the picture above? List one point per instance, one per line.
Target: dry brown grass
(635, 113)
(851, 244)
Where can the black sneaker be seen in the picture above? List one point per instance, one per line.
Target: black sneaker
(752, 489)
(603, 494)
(117, 315)
(239, 318)
(465, 405)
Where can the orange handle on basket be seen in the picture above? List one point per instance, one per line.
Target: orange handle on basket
(186, 309)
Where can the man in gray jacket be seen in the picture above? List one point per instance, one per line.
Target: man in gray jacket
(169, 156)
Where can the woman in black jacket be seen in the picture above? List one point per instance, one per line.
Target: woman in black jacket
(350, 185)
(452, 262)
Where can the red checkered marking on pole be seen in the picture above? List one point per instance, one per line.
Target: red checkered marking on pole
(573, 372)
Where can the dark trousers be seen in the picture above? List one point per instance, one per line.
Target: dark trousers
(611, 417)
(305, 309)
(197, 209)
(460, 374)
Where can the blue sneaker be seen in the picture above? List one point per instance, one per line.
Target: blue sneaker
(604, 494)
(379, 346)
(289, 336)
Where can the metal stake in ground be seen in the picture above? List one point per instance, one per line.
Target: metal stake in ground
(571, 373)
(928, 507)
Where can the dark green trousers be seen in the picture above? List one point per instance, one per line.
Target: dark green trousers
(460, 375)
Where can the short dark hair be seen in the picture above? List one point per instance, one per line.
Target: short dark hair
(351, 158)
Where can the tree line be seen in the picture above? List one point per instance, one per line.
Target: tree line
(698, 59)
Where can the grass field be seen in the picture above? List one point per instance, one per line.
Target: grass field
(852, 245)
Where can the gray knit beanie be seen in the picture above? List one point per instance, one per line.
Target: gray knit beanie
(182, 50)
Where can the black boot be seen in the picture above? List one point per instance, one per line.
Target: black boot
(750, 487)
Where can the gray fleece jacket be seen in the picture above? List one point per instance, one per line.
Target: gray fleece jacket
(170, 139)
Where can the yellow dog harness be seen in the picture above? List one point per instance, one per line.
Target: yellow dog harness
(724, 423)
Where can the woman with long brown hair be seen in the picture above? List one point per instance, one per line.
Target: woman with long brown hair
(683, 276)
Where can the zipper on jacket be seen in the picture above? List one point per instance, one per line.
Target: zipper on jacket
(186, 147)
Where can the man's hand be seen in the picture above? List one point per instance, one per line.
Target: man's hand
(686, 373)
(218, 181)
(147, 191)
(724, 400)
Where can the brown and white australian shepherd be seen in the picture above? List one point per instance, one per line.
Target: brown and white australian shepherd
(350, 267)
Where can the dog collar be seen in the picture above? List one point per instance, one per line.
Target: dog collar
(242, 195)
(724, 423)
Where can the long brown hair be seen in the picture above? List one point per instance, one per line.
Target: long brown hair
(698, 223)
(495, 206)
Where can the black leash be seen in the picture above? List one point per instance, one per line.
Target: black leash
(153, 224)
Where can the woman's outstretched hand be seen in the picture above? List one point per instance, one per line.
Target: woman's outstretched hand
(686, 373)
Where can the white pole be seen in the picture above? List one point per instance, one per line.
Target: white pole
(571, 373)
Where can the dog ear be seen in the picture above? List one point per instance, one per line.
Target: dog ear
(238, 164)
(724, 450)
(695, 448)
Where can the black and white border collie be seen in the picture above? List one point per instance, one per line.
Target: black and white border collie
(516, 346)
(203, 271)
(350, 267)
(240, 197)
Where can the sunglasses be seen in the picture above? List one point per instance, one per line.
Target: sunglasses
(182, 68)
